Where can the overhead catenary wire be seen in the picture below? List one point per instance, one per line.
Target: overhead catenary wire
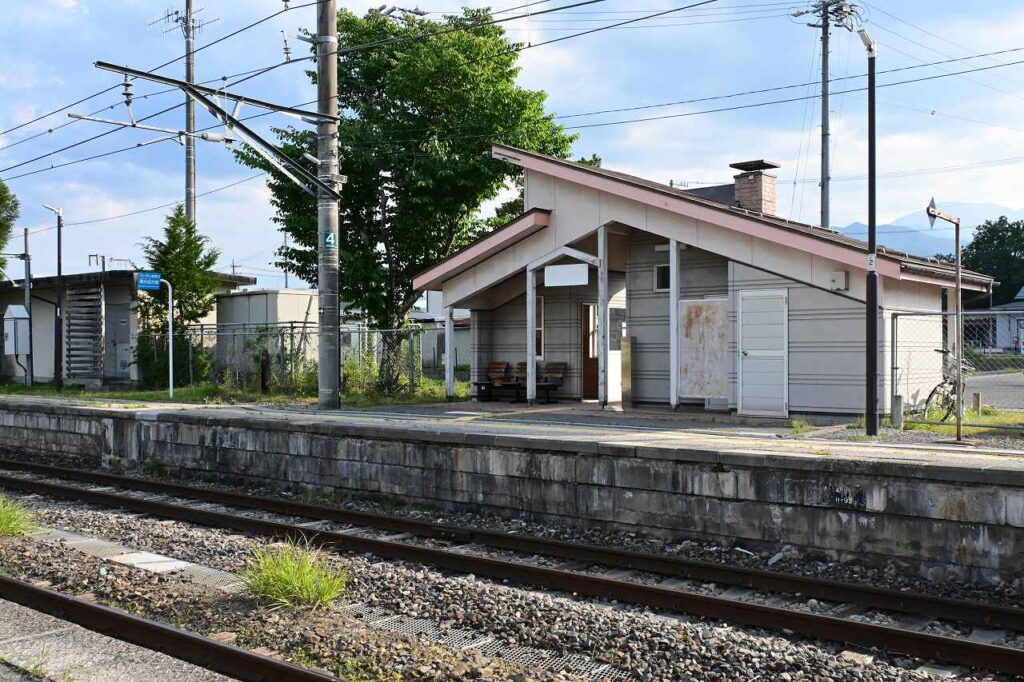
(155, 68)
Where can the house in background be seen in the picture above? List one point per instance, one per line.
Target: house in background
(1000, 328)
(100, 326)
(726, 304)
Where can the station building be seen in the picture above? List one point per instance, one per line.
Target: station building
(718, 302)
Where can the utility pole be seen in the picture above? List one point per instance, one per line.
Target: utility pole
(871, 293)
(327, 203)
(58, 322)
(190, 26)
(829, 13)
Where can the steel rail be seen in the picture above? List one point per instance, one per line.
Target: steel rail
(975, 613)
(913, 643)
(185, 646)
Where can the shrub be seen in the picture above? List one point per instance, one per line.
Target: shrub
(15, 519)
(292, 575)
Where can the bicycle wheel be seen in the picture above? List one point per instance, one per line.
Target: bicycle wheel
(941, 402)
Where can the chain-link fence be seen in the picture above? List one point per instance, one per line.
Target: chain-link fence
(283, 358)
(924, 367)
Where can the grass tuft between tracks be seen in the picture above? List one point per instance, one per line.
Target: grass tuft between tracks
(15, 519)
(292, 575)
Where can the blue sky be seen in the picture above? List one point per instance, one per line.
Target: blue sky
(47, 48)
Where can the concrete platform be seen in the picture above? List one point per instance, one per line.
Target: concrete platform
(674, 475)
(36, 644)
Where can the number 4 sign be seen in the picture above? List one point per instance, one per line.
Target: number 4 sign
(330, 240)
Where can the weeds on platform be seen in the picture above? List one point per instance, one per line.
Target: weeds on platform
(294, 575)
(15, 519)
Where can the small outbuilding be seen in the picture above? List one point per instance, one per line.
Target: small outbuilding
(724, 304)
(100, 326)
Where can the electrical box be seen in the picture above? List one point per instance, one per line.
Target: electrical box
(839, 281)
(16, 336)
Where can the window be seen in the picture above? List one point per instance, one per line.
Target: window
(661, 278)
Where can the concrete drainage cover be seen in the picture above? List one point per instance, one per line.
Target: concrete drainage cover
(489, 646)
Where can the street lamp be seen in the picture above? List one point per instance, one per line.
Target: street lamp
(934, 213)
(58, 325)
(871, 293)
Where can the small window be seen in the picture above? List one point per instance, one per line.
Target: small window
(661, 278)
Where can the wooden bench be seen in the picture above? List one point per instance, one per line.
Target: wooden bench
(497, 378)
(550, 378)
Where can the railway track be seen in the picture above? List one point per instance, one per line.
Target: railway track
(759, 598)
(186, 646)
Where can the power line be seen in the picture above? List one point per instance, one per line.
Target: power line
(155, 68)
(92, 221)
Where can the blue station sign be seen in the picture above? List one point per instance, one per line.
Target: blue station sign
(147, 280)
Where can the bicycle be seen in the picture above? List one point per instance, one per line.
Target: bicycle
(944, 397)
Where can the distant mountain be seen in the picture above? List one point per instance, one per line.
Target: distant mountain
(912, 234)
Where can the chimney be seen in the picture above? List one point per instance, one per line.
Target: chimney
(755, 188)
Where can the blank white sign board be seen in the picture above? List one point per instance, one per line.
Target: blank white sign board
(573, 275)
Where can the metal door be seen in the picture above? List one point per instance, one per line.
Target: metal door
(120, 356)
(763, 349)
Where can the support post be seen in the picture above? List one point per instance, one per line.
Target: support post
(959, 341)
(531, 336)
(449, 354)
(603, 337)
(871, 303)
(673, 323)
(27, 286)
(329, 378)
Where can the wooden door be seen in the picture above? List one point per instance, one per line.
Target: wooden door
(588, 353)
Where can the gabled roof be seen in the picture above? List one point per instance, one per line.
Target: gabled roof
(928, 267)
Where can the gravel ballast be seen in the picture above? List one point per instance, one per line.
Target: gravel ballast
(648, 646)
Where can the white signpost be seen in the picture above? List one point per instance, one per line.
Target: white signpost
(151, 281)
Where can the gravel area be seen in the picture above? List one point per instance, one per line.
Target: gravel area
(1004, 440)
(325, 640)
(649, 646)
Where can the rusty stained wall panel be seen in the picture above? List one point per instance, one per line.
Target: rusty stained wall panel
(704, 348)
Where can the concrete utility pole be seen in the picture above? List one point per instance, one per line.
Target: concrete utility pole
(829, 13)
(188, 27)
(826, 160)
(27, 285)
(327, 204)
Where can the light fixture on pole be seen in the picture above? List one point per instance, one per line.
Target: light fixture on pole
(871, 285)
(958, 334)
(58, 324)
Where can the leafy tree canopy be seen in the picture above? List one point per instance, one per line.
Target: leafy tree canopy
(997, 249)
(185, 259)
(9, 212)
(419, 116)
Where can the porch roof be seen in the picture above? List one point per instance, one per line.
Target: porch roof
(483, 248)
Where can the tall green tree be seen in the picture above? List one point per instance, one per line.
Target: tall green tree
(420, 111)
(997, 249)
(9, 211)
(185, 259)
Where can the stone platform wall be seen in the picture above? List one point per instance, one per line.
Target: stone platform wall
(946, 521)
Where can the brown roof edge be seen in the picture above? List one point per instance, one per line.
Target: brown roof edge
(502, 151)
(482, 237)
